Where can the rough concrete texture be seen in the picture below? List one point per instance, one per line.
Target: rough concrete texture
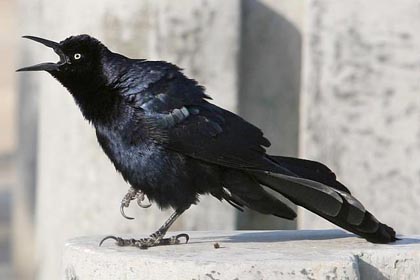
(360, 103)
(79, 189)
(323, 254)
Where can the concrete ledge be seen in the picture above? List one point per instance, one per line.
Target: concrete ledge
(306, 254)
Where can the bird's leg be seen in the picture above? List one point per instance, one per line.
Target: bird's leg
(156, 238)
(133, 194)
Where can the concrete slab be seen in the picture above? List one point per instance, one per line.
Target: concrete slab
(309, 254)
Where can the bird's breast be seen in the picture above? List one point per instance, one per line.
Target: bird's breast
(142, 163)
(124, 149)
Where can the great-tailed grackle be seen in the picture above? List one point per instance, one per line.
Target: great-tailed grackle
(171, 144)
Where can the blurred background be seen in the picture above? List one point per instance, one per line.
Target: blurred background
(333, 81)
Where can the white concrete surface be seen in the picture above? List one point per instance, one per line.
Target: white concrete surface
(360, 106)
(323, 254)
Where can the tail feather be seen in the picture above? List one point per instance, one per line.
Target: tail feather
(331, 203)
(244, 190)
(356, 210)
(313, 193)
(311, 170)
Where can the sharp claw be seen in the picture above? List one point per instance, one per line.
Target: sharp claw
(183, 235)
(123, 214)
(106, 238)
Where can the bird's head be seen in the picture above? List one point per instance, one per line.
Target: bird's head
(82, 70)
(80, 59)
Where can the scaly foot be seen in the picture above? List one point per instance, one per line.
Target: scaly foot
(155, 239)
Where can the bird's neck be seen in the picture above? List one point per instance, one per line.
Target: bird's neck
(96, 101)
(97, 105)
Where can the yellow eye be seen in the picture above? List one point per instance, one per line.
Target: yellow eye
(77, 56)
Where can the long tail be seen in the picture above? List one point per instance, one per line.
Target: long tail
(315, 187)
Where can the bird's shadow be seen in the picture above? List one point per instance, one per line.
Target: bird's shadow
(279, 236)
(294, 235)
(406, 241)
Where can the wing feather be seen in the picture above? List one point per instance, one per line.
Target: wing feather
(177, 106)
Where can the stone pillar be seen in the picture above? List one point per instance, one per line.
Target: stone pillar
(360, 103)
(269, 83)
(79, 189)
(24, 191)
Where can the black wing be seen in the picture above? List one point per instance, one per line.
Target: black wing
(178, 108)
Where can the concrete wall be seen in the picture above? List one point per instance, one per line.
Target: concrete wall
(360, 103)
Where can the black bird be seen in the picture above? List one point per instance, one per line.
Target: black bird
(171, 144)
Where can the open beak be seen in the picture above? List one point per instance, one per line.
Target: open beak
(48, 66)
